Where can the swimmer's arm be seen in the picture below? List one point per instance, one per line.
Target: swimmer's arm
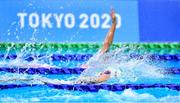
(47, 81)
(109, 38)
(110, 35)
(53, 81)
(43, 80)
(15, 79)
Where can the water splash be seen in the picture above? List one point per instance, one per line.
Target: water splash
(124, 68)
(25, 52)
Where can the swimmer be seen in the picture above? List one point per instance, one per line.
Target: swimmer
(84, 80)
(106, 45)
(102, 77)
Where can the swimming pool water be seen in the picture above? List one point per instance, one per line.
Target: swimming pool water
(45, 93)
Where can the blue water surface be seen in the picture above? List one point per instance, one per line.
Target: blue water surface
(44, 93)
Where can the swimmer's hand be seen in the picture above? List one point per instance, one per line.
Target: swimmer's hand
(113, 16)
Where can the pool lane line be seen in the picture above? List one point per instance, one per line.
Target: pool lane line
(37, 46)
(85, 57)
(94, 87)
(65, 70)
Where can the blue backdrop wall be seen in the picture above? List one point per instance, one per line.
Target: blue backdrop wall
(88, 20)
(159, 20)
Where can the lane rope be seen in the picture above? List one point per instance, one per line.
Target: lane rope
(85, 57)
(175, 71)
(95, 87)
(162, 48)
(90, 45)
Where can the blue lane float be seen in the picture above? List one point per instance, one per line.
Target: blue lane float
(96, 87)
(43, 70)
(65, 70)
(85, 57)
